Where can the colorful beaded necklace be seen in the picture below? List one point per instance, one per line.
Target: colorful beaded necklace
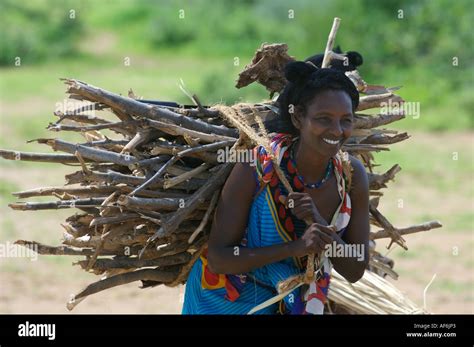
(315, 185)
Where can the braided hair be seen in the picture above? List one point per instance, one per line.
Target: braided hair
(305, 81)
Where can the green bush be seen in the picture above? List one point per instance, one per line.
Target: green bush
(415, 51)
(38, 30)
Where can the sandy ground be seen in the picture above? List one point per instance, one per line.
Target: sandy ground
(45, 285)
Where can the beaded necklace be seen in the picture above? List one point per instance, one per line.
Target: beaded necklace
(315, 185)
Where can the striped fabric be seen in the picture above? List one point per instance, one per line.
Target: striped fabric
(269, 223)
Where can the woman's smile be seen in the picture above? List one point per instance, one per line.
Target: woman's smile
(331, 142)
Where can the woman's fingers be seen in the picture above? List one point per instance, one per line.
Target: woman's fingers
(302, 206)
(326, 228)
(302, 212)
(317, 237)
(326, 238)
(295, 199)
(297, 195)
(323, 232)
(322, 246)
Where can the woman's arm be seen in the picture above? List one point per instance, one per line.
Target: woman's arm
(357, 232)
(225, 256)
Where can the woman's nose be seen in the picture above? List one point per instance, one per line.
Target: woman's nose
(336, 130)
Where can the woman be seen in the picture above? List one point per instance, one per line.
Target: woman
(259, 237)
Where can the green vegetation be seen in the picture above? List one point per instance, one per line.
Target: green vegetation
(408, 43)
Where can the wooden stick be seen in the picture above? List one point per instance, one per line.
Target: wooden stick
(86, 241)
(405, 231)
(150, 204)
(89, 191)
(81, 118)
(375, 101)
(363, 148)
(38, 157)
(367, 122)
(152, 162)
(50, 250)
(171, 182)
(178, 170)
(122, 217)
(110, 177)
(208, 147)
(104, 264)
(384, 223)
(131, 106)
(85, 108)
(382, 139)
(171, 249)
(142, 136)
(155, 177)
(177, 130)
(77, 229)
(94, 154)
(183, 274)
(104, 143)
(330, 43)
(118, 178)
(205, 219)
(383, 268)
(145, 274)
(198, 198)
(377, 181)
(81, 128)
(164, 147)
(53, 205)
(363, 133)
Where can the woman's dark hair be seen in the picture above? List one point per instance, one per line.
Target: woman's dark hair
(304, 82)
(354, 60)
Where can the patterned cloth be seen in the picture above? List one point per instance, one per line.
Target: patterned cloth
(269, 223)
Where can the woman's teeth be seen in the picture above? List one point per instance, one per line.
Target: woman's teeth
(331, 142)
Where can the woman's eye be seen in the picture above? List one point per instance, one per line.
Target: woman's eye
(347, 120)
(323, 119)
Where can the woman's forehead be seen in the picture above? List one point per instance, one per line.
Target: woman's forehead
(334, 101)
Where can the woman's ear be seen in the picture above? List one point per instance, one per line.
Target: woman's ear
(296, 115)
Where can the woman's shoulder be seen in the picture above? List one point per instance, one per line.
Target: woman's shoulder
(356, 163)
(359, 175)
(240, 186)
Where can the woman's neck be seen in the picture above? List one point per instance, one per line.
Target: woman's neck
(310, 164)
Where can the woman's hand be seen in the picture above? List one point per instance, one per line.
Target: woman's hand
(315, 239)
(303, 207)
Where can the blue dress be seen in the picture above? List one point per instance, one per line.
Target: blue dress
(269, 223)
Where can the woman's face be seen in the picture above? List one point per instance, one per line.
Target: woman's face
(328, 122)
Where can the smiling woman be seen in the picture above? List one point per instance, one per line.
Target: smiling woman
(259, 237)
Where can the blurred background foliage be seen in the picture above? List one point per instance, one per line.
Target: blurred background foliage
(407, 43)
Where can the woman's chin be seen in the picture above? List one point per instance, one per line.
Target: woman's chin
(330, 149)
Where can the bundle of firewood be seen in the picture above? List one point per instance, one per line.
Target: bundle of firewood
(146, 185)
